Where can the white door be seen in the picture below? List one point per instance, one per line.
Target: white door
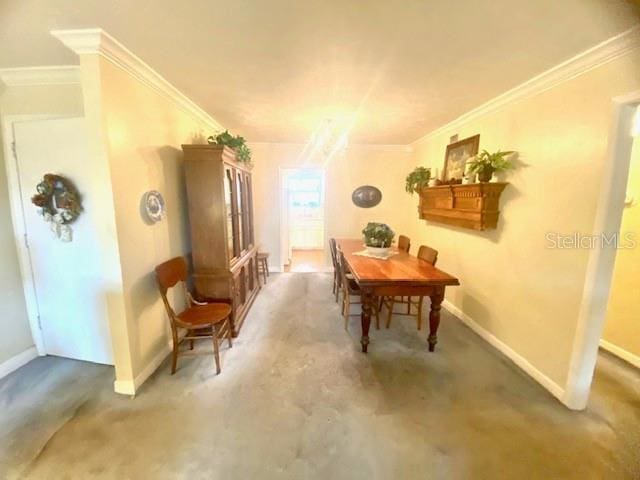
(66, 276)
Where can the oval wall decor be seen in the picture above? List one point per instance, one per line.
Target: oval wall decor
(154, 206)
(366, 196)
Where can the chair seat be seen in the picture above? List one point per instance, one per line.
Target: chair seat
(263, 255)
(352, 285)
(205, 315)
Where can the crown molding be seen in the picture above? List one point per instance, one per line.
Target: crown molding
(95, 41)
(50, 75)
(594, 57)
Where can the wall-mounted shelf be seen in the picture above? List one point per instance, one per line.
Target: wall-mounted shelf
(473, 206)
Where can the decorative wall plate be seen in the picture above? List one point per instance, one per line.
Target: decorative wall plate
(154, 206)
(366, 196)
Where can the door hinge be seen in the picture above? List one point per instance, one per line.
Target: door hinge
(39, 323)
(26, 241)
(13, 150)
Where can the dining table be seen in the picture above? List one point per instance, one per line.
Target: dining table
(400, 274)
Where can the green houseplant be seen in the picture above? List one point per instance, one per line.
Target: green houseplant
(238, 143)
(417, 180)
(485, 164)
(377, 238)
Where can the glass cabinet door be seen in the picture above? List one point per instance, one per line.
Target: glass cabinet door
(240, 211)
(249, 209)
(232, 244)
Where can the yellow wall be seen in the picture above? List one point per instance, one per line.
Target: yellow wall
(15, 334)
(512, 285)
(382, 166)
(143, 136)
(622, 328)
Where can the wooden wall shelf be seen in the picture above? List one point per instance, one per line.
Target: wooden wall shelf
(473, 206)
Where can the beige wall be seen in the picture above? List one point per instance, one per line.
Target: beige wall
(382, 166)
(622, 327)
(512, 285)
(34, 100)
(143, 133)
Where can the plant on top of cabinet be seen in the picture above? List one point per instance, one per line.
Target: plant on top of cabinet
(485, 164)
(417, 180)
(238, 143)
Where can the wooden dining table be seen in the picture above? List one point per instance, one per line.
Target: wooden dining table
(399, 275)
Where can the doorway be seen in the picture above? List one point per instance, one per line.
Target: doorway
(62, 280)
(302, 214)
(593, 309)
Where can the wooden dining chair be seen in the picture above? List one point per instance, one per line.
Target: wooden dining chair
(429, 255)
(336, 271)
(199, 320)
(351, 288)
(404, 243)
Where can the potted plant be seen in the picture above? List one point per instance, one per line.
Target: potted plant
(378, 238)
(417, 180)
(485, 164)
(238, 143)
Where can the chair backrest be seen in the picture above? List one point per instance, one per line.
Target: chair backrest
(169, 274)
(428, 254)
(404, 243)
(333, 249)
(342, 271)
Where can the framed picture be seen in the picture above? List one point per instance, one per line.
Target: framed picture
(456, 156)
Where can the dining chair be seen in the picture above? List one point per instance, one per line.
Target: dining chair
(263, 265)
(351, 288)
(199, 319)
(404, 243)
(336, 271)
(429, 255)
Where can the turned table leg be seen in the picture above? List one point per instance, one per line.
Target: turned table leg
(365, 317)
(434, 317)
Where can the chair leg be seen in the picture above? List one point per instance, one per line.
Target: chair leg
(190, 333)
(377, 308)
(174, 354)
(390, 307)
(346, 309)
(420, 313)
(229, 332)
(266, 267)
(264, 271)
(216, 353)
(408, 305)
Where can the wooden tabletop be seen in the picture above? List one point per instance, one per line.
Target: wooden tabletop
(400, 268)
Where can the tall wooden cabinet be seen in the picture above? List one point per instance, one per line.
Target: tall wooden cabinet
(222, 237)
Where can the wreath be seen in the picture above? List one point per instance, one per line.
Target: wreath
(59, 204)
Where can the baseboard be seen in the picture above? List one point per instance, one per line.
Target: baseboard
(18, 361)
(621, 353)
(129, 387)
(553, 388)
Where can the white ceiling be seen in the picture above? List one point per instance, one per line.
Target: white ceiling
(274, 70)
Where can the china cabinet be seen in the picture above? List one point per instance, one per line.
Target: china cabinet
(222, 236)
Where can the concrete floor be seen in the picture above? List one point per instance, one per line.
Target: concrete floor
(296, 399)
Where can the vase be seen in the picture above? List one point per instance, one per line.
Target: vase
(485, 175)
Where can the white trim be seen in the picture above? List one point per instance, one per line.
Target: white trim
(96, 41)
(17, 217)
(621, 353)
(18, 361)
(555, 389)
(583, 62)
(599, 273)
(50, 75)
(129, 387)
